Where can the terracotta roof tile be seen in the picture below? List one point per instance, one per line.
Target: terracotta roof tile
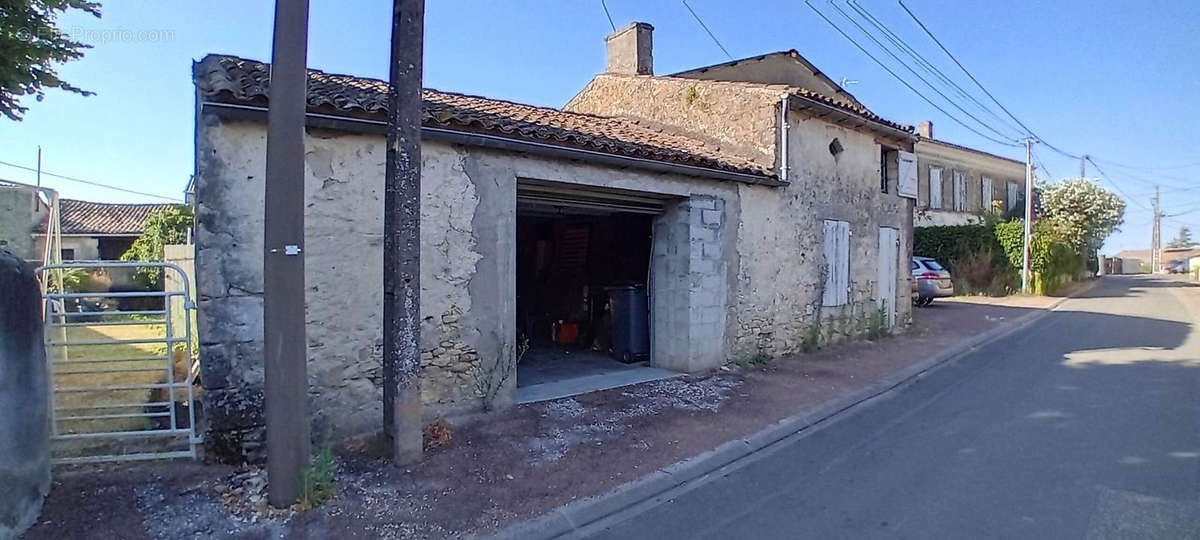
(83, 217)
(237, 80)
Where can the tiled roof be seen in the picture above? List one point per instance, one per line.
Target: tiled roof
(930, 140)
(83, 217)
(849, 107)
(236, 80)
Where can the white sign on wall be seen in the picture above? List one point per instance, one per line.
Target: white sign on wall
(907, 185)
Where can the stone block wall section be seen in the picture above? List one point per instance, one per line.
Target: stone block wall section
(690, 286)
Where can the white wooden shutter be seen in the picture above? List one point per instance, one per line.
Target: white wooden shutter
(985, 193)
(907, 183)
(843, 258)
(960, 192)
(935, 187)
(1012, 195)
(829, 249)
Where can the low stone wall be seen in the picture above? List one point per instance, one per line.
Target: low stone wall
(24, 415)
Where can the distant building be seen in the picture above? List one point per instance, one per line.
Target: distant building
(957, 184)
(90, 230)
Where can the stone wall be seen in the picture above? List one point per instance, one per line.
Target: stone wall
(17, 221)
(739, 118)
(778, 263)
(24, 405)
(467, 274)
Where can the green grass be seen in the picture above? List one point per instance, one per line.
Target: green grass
(114, 373)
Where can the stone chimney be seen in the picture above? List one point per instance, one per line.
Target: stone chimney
(925, 129)
(630, 50)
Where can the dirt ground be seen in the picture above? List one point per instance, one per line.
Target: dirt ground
(510, 465)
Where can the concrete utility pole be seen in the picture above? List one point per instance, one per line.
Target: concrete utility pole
(402, 236)
(1083, 166)
(1028, 215)
(285, 378)
(1156, 236)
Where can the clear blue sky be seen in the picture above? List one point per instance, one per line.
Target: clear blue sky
(1117, 80)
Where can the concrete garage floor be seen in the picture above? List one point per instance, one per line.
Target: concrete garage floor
(547, 373)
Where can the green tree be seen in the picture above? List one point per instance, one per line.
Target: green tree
(1183, 239)
(167, 226)
(31, 46)
(1084, 213)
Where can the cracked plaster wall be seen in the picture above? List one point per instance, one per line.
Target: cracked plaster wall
(467, 275)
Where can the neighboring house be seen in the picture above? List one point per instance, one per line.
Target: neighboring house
(957, 184)
(93, 231)
(90, 230)
(760, 213)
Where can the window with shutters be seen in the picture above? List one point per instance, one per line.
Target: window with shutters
(1014, 196)
(935, 187)
(985, 194)
(836, 249)
(960, 192)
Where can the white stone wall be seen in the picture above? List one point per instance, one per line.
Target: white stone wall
(779, 243)
(467, 276)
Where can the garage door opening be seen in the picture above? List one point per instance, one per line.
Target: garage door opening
(583, 263)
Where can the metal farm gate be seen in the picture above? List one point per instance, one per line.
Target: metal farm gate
(123, 378)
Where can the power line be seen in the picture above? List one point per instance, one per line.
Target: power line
(889, 52)
(980, 85)
(924, 63)
(901, 79)
(1043, 167)
(609, 15)
(90, 183)
(705, 27)
(1151, 167)
(1114, 184)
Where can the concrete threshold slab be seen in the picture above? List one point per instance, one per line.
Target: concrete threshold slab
(591, 383)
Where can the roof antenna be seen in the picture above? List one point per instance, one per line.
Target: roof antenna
(845, 82)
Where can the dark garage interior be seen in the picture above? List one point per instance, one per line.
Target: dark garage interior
(570, 262)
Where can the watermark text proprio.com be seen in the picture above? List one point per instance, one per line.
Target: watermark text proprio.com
(96, 36)
(99, 36)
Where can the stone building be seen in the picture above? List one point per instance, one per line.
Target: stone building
(739, 231)
(90, 231)
(957, 184)
(840, 162)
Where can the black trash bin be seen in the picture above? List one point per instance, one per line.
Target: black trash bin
(630, 322)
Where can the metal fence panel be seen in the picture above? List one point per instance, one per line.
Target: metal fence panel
(123, 375)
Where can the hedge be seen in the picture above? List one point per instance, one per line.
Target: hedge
(987, 257)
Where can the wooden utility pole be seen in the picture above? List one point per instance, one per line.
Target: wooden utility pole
(285, 379)
(402, 236)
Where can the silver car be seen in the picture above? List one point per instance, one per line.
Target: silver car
(933, 280)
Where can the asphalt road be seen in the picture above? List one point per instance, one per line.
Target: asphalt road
(1084, 425)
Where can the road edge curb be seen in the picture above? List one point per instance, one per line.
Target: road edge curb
(568, 520)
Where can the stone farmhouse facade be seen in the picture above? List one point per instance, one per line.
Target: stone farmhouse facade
(957, 184)
(752, 212)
